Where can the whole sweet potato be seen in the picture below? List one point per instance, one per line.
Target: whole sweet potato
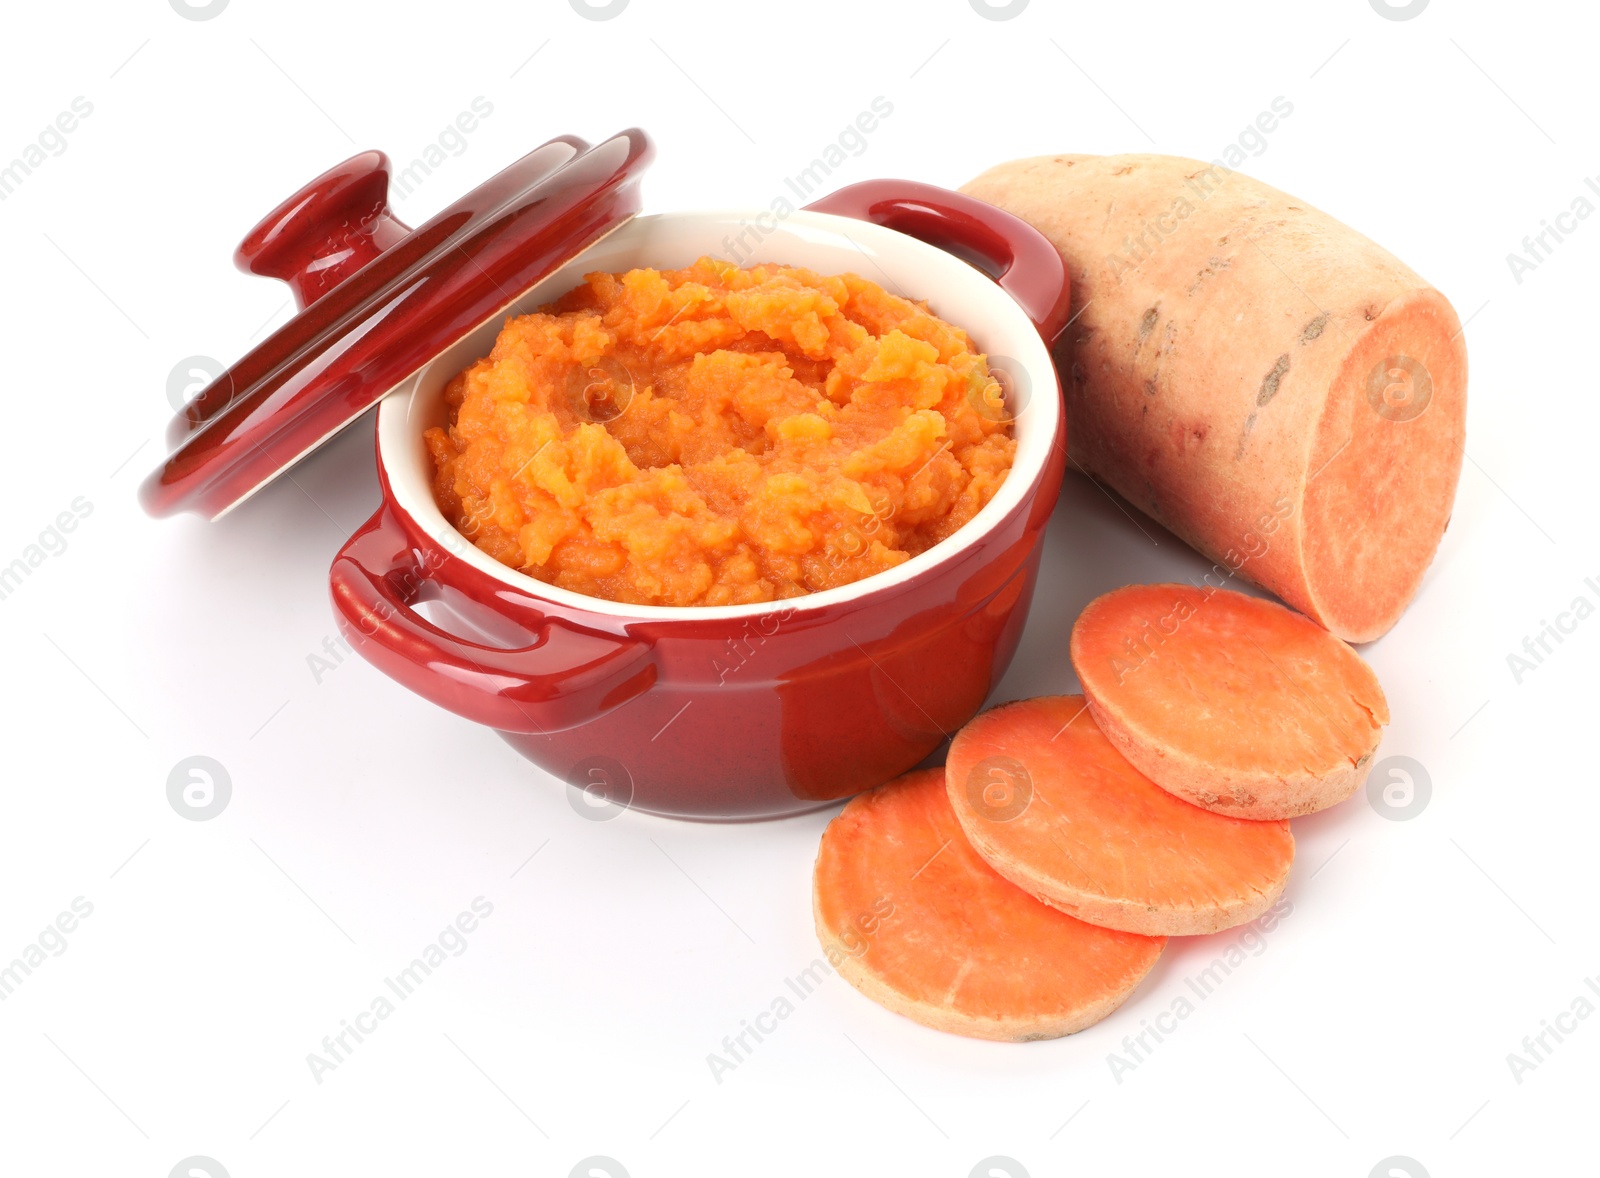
(1272, 386)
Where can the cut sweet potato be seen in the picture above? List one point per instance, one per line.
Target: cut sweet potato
(911, 916)
(1278, 390)
(1051, 804)
(1233, 703)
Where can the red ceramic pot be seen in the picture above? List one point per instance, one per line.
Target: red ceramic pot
(751, 711)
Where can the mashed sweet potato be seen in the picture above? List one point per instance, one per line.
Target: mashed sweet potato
(716, 435)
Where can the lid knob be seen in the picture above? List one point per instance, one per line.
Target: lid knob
(327, 231)
(379, 302)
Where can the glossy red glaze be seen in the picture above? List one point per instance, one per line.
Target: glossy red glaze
(708, 718)
(413, 298)
(327, 231)
(1027, 267)
(560, 675)
(757, 718)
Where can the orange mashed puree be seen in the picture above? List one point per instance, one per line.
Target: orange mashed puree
(716, 435)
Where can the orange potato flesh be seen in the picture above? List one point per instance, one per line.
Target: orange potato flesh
(913, 918)
(1381, 488)
(1051, 804)
(1230, 702)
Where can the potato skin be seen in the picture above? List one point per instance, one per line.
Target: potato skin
(1220, 375)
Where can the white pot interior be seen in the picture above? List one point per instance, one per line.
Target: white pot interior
(954, 290)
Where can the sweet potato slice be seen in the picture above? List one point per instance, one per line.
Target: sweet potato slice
(911, 916)
(1056, 809)
(1277, 389)
(1233, 703)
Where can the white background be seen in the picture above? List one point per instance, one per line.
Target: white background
(1376, 1021)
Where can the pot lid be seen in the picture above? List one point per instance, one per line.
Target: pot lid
(378, 300)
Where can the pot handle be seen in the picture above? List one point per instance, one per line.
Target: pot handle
(566, 678)
(1029, 268)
